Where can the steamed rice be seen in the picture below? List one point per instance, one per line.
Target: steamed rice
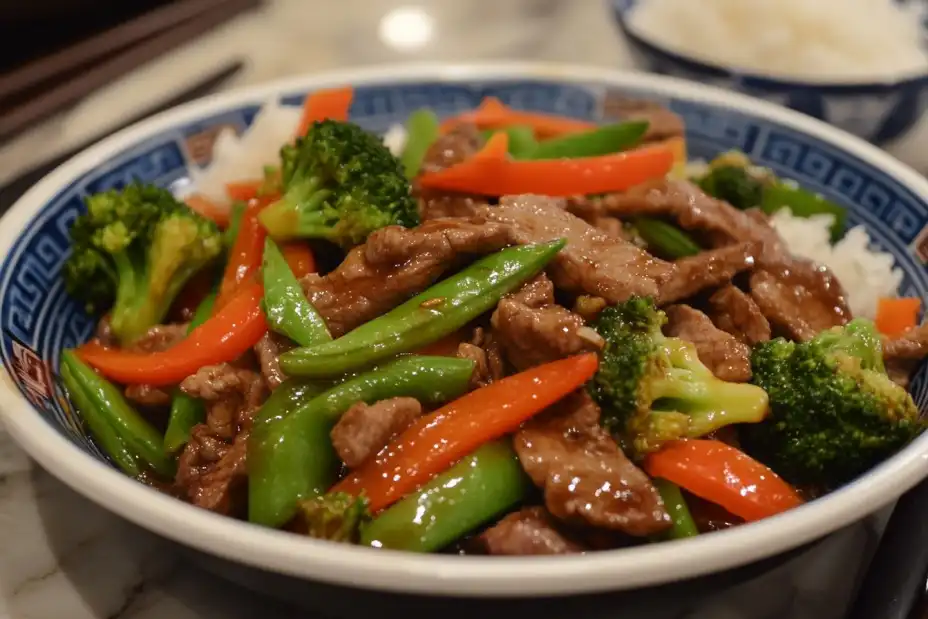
(823, 39)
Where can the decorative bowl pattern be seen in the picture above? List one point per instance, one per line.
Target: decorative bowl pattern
(875, 111)
(38, 319)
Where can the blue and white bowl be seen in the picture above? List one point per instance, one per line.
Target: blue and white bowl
(875, 111)
(37, 318)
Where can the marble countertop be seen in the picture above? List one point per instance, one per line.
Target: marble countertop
(65, 558)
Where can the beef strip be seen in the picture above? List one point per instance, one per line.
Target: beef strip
(104, 333)
(800, 298)
(156, 339)
(903, 354)
(727, 357)
(529, 531)
(393, 265)
(586, 478)
(459, 144)
(662, 123)
(365, 429)
(268, 350)
(592, 262)
(735, 312)
(533, 330)
(212, 469)
(708, 269)
(160, 337)
(148, 395)
(482, 375)
(496, 368)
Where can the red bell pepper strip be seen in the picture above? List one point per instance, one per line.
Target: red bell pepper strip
(219, 213)
(494, 114)
(332, 104)
(223, 337)
(492, 173)
(246, 254)
(299, 257)
(896, 316)
(723, 475)
(438, 440)
(244, 191)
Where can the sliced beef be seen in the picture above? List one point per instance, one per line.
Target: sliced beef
(482, 375)
(160, 337)
(533, 330)
(212, 470)
(529, 531)
(610, 226)
(395, 264)
(708, 269)
(104, 333)
(268, 350)
(903, 354)
(735, 312)
(800, 298)
(148, 395)
(459, 144)
(586, 478)
(157, 339)
(592, 262)
(727, 357)
(487, 342)
(365, 429)
(662, 123)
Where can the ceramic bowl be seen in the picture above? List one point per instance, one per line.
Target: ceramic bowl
(37, 318)
(877, 111)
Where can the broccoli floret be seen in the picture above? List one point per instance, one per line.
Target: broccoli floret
(337, 517)
(734, 185)
(834, 411)
(653, 388)
(132, 252)
(340, 184)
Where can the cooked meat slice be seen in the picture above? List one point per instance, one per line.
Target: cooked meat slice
(585, 477)
(104, 332)
(533, 330)
(268, 350)
(592, 262)
(662, 123)
(459, 144)
(482, 375)
(800, 298)
(212, 382)
(365, 429)
(437, 205)
(708, 269)
(903, 354)
(393, 265)
(611, 226)
(529, 531)
(735, 312)
(160, 337)
(488, 343)
(727, 357)
(148, 395)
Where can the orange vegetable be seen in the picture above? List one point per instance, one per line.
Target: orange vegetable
(494, 114)
(246, 254)
(299, 257)
(895, 316)
(218, 213)
(223, 337)
(446, 346)
(491, 172)
(723, 475)
(244, 190)
(330, 104)
(438, 440)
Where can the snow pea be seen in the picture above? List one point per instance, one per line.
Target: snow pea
(442, 309)
(664, 239)
(802, 203)
(421, 132)
(521, 140)
(683, 524)
(286, 307)
(603, 141)
(290, 453)
(472, 492)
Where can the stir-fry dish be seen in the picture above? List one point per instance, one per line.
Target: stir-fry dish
(517, 334)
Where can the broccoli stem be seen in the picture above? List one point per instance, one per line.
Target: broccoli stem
(295, 215)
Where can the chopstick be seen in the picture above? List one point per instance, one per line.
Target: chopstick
(84, 82)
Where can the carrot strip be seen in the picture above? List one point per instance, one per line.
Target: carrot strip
(895, 316)
(299, 257)
(218, 213)
(332, 104)
(244, 191)
(494, 114)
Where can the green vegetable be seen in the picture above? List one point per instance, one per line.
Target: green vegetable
(602, 141)
(665, 240)
(427, 317)
(128, 439)
(133, 252)
(186, 412)
(521, 140)
(235, 222)
(834, 412)
(340, 184)
(337, 517)
(683, 524)
(290, 453)
(803, 203)
(288, 311)
(653, 388)
(733, 184)
(472, 492)
(421, 132)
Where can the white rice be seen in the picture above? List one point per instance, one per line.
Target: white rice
(865, 273)
(808, 39)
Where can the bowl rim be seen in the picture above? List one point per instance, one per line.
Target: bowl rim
(754, 79)
(449, 575)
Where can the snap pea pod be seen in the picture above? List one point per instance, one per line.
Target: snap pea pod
(442, 309)
(112, 419)
(802, 203)
(286, 307)
(186, 412)
(683, 524)
(235, 222)
(664, 239)
(603, 141)
(472, 492)
(290, 453)
(421, 132)
(522, 140)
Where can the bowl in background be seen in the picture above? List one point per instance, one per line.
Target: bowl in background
(38, 319)
(875, 111)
